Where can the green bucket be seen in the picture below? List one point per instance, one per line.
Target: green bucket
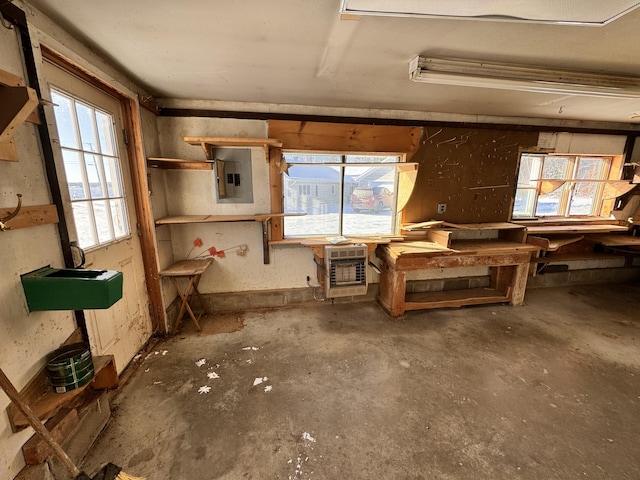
(70, 367)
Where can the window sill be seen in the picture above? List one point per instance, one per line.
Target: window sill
(321, 241)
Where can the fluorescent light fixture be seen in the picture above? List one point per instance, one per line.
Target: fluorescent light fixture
(523, 78)
(569, 12)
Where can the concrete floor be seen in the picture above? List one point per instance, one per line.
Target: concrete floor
(550, 390)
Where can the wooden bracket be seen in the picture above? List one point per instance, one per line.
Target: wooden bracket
(18, 102)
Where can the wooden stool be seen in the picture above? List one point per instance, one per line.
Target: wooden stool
(191, 270)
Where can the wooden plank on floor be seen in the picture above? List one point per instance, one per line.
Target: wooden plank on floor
(36, 450)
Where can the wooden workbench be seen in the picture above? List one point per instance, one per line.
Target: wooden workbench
(509, 262)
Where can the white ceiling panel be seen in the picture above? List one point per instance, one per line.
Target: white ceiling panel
(300, 52)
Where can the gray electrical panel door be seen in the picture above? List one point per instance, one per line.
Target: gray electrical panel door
(233, 173)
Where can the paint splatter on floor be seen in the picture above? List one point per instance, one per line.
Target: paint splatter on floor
(259, 380)
(201, 362)
(204, 389)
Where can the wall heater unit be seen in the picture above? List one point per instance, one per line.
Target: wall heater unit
(345, 270)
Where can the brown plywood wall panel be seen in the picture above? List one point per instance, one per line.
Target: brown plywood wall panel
(472, 171)
(344, 137)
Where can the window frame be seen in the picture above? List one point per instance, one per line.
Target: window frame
(601, 207)
(116, 175)
(343, 165)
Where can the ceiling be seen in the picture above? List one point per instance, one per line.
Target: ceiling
(300, 52)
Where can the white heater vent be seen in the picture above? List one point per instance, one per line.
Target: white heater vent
(345, 270)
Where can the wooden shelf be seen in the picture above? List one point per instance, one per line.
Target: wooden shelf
(233, 142)
(454, 298)
(18, 103)
(46, 403)
(615, 240)
(577, 228)
(186, 219)
(574, 257)
(179, 164)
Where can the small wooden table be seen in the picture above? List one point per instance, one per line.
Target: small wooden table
(191, 270)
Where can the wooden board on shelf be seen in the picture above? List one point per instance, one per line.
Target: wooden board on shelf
(45, 403)
(179, 164)
(419, 249)
(614, 240)
(461, 247)
(422, 225)
(575, 228)
(486, 226)
(490, 246)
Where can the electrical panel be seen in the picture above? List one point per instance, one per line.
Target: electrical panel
(234, 183)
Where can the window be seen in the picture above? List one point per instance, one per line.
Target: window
(563, 185)
(93, 171)
(353, 194)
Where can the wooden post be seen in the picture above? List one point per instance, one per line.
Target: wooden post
(275, 181)
(144, 213)
(37, 425)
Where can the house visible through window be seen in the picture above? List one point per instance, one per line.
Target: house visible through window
(563, 185)
(354, 194)
(92, 168)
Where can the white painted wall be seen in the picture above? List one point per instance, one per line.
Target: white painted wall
(193, 192)
(582, 143)
(26, 337)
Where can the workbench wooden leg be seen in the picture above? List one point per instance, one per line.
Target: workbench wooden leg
(393, 287)
(519, 283)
